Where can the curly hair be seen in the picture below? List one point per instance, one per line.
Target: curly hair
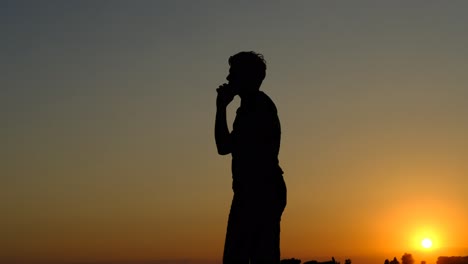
(251, 63)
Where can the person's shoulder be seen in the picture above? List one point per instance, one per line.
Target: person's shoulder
(266, 102)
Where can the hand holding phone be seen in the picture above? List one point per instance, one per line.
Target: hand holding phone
(225, 96)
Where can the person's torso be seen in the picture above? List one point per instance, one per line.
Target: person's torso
(256, 140)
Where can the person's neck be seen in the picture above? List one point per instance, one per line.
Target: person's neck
(248, 98)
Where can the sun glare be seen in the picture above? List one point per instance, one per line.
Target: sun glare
(426, 243)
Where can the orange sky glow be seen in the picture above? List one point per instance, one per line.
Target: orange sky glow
(107, 113)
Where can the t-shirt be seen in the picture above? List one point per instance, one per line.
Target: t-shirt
(256, 137)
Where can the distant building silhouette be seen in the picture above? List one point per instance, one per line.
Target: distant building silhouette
(298, 261)
(332, 261)
(452, 260)
(291, 261)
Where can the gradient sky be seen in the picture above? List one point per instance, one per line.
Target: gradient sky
(107, 111)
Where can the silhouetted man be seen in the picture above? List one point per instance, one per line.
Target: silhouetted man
(253, 231)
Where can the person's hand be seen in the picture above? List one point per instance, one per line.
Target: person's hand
(225, 95)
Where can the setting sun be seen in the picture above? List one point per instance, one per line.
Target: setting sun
(426, 243)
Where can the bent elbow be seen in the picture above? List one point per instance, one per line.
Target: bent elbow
(223, 150)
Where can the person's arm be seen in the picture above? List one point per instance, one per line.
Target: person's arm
(222, 135)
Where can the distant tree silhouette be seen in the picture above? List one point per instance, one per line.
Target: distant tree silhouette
(347, 261)
(423, 262)
(394, 261)
(407, 259)
(387, 261)
(334, 261)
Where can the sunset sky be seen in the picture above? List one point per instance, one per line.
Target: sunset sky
(107, 127)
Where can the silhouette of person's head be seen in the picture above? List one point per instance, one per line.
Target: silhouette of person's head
(248, 69)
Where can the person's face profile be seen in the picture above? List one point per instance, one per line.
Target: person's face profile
(238, 79)
(233, 75)
(234, 78)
